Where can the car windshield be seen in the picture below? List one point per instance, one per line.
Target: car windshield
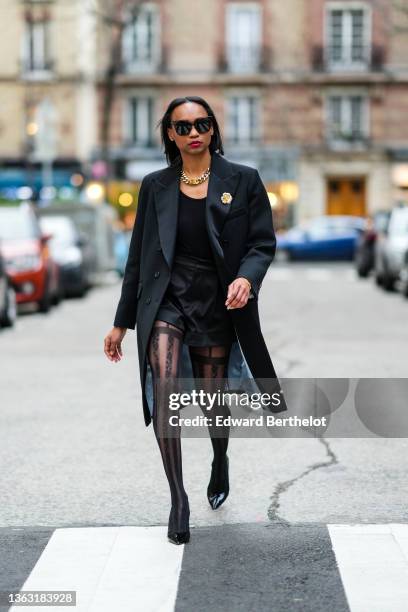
(61, 228)
(17, 225)
(322, 226)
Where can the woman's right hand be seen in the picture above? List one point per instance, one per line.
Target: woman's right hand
(112, 343)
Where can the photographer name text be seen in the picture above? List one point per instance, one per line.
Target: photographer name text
(261, 420)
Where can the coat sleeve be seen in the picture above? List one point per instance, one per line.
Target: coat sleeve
(261, 241)
(127, 307)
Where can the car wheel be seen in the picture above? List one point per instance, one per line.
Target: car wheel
(363, 272)
(57, 297)
(82, 291)
(378, 279)
(388, 282)
(44, 304)
(10, 314)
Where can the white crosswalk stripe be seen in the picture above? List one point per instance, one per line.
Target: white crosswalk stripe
(136, 568)
(373, 564)
(110, 568)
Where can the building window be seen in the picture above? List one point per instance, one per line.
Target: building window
(141, 41)
(139, 125)
(347, 118)
(41, 130)
(348, 36)
(243, 37)
(243, 119)
(37, 55)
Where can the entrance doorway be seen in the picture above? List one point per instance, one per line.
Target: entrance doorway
(346, 195)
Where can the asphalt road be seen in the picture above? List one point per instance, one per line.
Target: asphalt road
(75, 453)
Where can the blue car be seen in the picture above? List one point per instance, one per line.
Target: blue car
(323, 238)
(121, 249)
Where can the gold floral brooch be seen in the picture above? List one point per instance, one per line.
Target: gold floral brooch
(226, 197)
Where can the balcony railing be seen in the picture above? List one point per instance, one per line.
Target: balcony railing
(249, 59)
(323, 59)
(155, 65)
(31, 67)
(347, 139)
(378, 57)
(139, 67)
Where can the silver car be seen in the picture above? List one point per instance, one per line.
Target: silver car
(8, 304)
(404, 276)
(391, 247)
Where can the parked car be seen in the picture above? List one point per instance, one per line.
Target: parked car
(96, 223)
(404, 276)
(8, 307)
(364, 254)
(68, 248)
(324, 238)
(390, 248)
(28, 263)
(121, 246)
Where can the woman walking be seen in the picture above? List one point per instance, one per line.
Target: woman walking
(202, 242)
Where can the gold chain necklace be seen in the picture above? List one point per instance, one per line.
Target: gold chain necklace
(195, 181)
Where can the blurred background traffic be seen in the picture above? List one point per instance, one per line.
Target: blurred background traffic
(313, 93)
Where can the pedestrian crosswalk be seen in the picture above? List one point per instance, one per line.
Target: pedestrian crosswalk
(271, 567)
(109, 569)
(373, 564)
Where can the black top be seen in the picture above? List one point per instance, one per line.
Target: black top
(192, 236)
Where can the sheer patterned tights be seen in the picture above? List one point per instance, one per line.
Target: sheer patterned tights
(210, 366)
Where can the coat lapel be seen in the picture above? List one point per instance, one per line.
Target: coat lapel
(223, 178)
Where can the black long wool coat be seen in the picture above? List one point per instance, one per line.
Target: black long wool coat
(243, 241)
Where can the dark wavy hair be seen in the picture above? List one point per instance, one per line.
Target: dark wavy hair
(171, 150)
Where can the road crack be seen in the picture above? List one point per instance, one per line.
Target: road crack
(284, 486)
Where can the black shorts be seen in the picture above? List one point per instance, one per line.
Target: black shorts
(194, 302)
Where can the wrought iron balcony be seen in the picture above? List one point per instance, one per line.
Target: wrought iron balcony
(154, 65)
(328, 59)
(245, 59)
(347, 140)
(31, 66)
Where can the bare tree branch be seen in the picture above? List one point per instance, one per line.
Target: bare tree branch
(117, 15)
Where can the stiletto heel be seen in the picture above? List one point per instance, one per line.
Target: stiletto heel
(179, 532)
(218, 488)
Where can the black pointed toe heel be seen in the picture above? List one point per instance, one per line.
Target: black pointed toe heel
(218, 488)
(178, 531)
(181, 537)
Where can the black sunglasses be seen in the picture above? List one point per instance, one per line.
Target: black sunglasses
(183, 128)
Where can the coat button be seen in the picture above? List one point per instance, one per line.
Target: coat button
(225, 241)
(156, 274)
(148, 300)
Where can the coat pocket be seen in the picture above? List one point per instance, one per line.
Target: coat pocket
(139, 288)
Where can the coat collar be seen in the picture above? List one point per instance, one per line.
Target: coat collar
(224, 177)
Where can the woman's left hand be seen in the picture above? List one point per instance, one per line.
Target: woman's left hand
(238, 293)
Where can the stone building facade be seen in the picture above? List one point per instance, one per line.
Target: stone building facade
(314, 93)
